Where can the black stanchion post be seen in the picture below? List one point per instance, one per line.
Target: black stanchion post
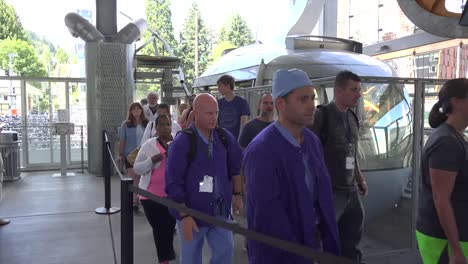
(106, 173)
(126, 222)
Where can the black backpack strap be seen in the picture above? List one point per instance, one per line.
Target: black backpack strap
(222, 135)
(323, 135)
(355, 117)
(192, 136)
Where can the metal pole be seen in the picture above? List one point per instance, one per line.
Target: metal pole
(418, 138)
(106, 173)
(196, 42)
(24, 119)
(82, 150)
(51, 116)
(126, 222)
(63, 154)
(68, 135)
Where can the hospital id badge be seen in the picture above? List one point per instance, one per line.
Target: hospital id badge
(350, 163)
(207, 184)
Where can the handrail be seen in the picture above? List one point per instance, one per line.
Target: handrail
(127, 190)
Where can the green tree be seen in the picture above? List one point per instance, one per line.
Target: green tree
(25, 62)
(62, 56)
(187, 45)
(45, 50)
(40, 42)
(237, 32)
(159, 19)
(10, 24)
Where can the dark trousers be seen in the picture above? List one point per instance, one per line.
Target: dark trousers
(350, 219)
(163, 225)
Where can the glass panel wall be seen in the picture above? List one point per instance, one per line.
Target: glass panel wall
(78, 116)
(34, 114)
(38, 127)
(10, 109)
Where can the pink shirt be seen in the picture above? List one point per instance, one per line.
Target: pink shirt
(157, 181)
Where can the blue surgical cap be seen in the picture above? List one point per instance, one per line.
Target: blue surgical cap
(286, 81)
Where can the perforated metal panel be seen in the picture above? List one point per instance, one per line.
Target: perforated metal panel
(109, 70)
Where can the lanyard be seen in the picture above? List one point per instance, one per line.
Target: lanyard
(209, 151)
(346, 126)
(210, 145)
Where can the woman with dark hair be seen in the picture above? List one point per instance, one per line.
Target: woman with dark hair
(151, 165)
(130, 134)
(442, 225)
(186, 118)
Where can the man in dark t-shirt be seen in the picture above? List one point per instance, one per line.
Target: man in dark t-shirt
(264, 119)
(234, 110)
(338, 129)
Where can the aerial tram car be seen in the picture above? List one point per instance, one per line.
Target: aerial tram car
(384, 111)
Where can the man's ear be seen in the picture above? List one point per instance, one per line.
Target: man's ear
(280, 103)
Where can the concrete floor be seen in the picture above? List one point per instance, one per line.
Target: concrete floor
(53, 221)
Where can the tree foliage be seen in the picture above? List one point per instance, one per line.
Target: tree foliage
(25, 62)
(63, 57)
(39, 41)
(159, 19)
(237, 32)
(187, 44)
(10, 25)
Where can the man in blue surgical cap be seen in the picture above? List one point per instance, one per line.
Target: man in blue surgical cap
(289, 194)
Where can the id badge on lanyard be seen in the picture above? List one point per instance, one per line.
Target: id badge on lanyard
(350, 157)
(207, 184)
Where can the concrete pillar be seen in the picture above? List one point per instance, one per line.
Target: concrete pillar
(110, 86)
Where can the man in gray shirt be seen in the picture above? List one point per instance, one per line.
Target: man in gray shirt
(253, 128)
(338, 129)
(256, 125)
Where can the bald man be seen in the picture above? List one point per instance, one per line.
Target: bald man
(207, 181)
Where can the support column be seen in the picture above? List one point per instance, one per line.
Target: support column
(106, 17)
(110, 86)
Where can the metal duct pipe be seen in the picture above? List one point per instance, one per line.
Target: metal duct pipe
(80, 27)
(131, 32)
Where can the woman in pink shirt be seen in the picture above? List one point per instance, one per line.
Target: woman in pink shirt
(151, 165)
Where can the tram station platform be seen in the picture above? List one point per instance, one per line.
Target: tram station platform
(53, 221)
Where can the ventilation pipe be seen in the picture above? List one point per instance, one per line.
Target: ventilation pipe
(80, 27)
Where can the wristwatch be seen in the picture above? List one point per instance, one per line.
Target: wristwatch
(236, 193)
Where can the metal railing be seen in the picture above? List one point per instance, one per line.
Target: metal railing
(39, 146)
(126, 194)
